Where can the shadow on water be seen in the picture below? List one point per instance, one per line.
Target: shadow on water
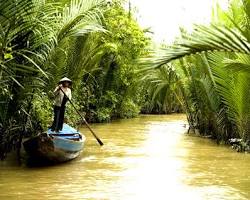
(26, 161)
(32, 162)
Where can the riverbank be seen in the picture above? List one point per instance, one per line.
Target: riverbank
(237, 144)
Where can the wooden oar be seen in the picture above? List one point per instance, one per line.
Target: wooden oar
(93, 133)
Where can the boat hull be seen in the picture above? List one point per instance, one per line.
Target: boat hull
(54, 148)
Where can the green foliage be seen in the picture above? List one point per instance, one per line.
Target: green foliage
(213, 68)
(106, 106)
(71, 117)
(103, 114)
(42, 109)
(128, 109)
(110, 99)
(32, 32)
(109, 87)
(164, 94)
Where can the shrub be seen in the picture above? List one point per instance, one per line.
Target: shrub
(104, 114)
(129, 109)
(42, 109)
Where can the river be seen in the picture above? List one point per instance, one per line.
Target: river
(144, 158)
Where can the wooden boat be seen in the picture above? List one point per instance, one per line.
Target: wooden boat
(56, 147)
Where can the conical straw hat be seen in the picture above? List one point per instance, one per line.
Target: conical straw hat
(65, 79)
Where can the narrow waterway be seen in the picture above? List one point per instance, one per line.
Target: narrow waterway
(144, 158)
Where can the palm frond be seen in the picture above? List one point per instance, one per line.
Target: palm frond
(204, 39)
(240, 64)
(83, 16)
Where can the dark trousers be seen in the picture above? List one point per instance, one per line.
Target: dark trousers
(58, 118)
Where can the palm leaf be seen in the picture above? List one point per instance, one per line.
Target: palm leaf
(80, 18)
(240, 64)
(203, 39)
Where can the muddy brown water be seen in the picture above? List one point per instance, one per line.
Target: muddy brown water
(149, 157)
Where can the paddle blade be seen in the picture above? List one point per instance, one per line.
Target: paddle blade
(99, 141)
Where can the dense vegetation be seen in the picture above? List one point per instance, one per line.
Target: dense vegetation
(93, 42)
(97, 44)
(212, 68)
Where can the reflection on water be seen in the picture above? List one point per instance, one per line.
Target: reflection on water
(143, 158)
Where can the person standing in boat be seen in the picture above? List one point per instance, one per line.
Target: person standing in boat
(60, 103)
